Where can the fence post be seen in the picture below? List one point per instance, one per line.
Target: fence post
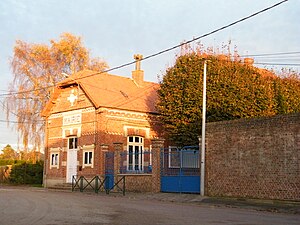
(81, 184)
(124, 185)
(157, 146)
(96, 184)
(72, 183)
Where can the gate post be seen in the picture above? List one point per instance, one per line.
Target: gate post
(104, 149)
(118, 147)
(157, 146)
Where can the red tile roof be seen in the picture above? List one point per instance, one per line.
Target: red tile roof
(112, 91)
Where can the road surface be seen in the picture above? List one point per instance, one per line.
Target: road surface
(24, 206)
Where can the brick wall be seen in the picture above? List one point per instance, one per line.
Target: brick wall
(254, 158)
(138, 182)
(98, 127)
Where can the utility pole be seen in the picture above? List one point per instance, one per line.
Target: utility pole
(202, 169)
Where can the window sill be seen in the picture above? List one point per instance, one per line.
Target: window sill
(54, 167)
(87, 166)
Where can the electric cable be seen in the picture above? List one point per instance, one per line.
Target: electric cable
(277, 64)
(162, 51)
(270, 54)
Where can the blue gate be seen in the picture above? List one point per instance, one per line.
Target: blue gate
(109, 170)
(180, 170)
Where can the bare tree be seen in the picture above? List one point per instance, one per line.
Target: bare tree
(36, 69)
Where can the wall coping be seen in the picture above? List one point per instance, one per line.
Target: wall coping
(134, 174)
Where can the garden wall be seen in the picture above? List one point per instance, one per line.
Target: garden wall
(254, 158)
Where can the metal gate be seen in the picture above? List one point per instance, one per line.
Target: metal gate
(180, 169)
(109, 170)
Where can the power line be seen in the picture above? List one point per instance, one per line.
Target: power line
(15, 114)
(165, 50)
(24, 92)
(278, 64)
(192, 40)
(17, 122)
(271, 54)
(4, 106)
(296, 57)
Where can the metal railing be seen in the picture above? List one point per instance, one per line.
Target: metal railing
(98, 183)
(135, 163)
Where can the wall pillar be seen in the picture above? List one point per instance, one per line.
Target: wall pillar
(157, 147)
(103, 151)
(118, 147)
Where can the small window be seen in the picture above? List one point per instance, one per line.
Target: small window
(54, 160)
(88, 156)
(88, 160)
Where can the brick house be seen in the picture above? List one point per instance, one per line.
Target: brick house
(87, 113)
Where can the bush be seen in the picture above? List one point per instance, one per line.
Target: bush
(5, 162)
(27, 173)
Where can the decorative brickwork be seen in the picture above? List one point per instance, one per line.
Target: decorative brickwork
(85, 118)
(254, 158)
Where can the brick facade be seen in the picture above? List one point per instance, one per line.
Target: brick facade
(74, 112)
(254, 158)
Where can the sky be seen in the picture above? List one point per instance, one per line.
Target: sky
(115, 30)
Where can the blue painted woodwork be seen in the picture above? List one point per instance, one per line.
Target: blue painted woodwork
(180, 171)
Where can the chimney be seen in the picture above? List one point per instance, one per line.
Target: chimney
(138, 74)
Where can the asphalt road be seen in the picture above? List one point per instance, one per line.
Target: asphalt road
(41, 206)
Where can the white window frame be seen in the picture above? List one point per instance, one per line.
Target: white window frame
(75, 144)
(133, 147)
(54, 163)
(88, 164)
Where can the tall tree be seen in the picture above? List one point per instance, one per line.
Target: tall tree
(8, 153)
(234, 90)
(37, 68)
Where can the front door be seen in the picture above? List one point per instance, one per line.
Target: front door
(71, 159)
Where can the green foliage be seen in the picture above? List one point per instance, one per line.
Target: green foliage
(287, 94)
(4, 162)
(8, 153)
(27, 173)
(234, 90)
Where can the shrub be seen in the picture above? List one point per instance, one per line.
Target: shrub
(5, 162)
(27, 173)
